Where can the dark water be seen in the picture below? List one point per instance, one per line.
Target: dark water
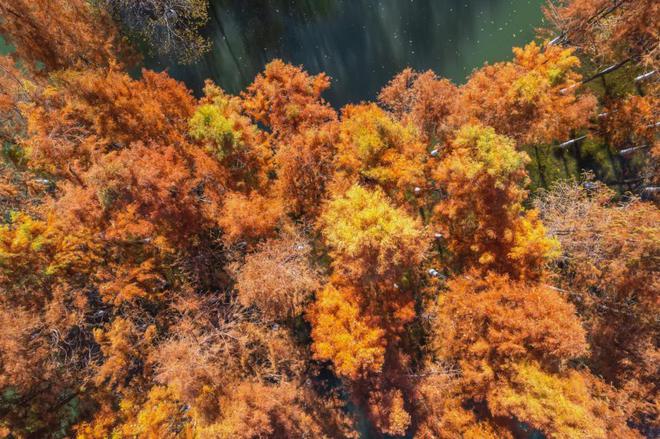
(361, 44)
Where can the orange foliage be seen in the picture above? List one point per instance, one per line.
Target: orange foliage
(24, 353)
(374, 148)
(161, 416)
(631, 122)
(120, 346)
(532, 99)
(231, 138)
(153, 282)
(609, 268)
(278, 277)
(559, 406)
(305, 164)
(60, 34)
(353, 342)
(482, 217)
(90, 113)
(498, 332)
(281, 411)
(15, 89)
(609, 31)
(422, 99)
(249, 216)
(387, 409)
(358, 321)
(288, 100)
(442, 414)
(485, 324)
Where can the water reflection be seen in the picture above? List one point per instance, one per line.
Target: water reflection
(361, 44)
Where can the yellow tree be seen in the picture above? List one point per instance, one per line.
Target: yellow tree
(219, 125)
(371, 242)
(375, 149)
(358, 321)
(354, 342)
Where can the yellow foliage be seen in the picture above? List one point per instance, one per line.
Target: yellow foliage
(374, 147)
(161, 416)
(370, 240)
(342, 334)
(560, 406)
(231, 137)
(35, 251)
(208, 123)
(24, 241)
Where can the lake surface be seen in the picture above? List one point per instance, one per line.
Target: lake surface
(361, 44)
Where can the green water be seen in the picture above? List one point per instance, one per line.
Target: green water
(361, 44)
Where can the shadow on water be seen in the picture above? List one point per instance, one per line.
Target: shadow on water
(361, 44)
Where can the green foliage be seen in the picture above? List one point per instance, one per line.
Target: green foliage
(209, 124)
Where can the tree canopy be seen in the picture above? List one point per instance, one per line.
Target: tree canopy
(265, 265)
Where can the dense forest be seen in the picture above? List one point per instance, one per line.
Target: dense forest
(264, 265)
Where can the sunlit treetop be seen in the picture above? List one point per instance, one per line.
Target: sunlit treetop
(565, 405)
(498, 321)
(422, 99)
(532, 99)
(480, 151)
(353, 341)
(219, 124)
(92, 112)
(369, 239)
(376, 149)
(287, 99)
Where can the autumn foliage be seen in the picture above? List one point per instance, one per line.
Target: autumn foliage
(265, 265)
